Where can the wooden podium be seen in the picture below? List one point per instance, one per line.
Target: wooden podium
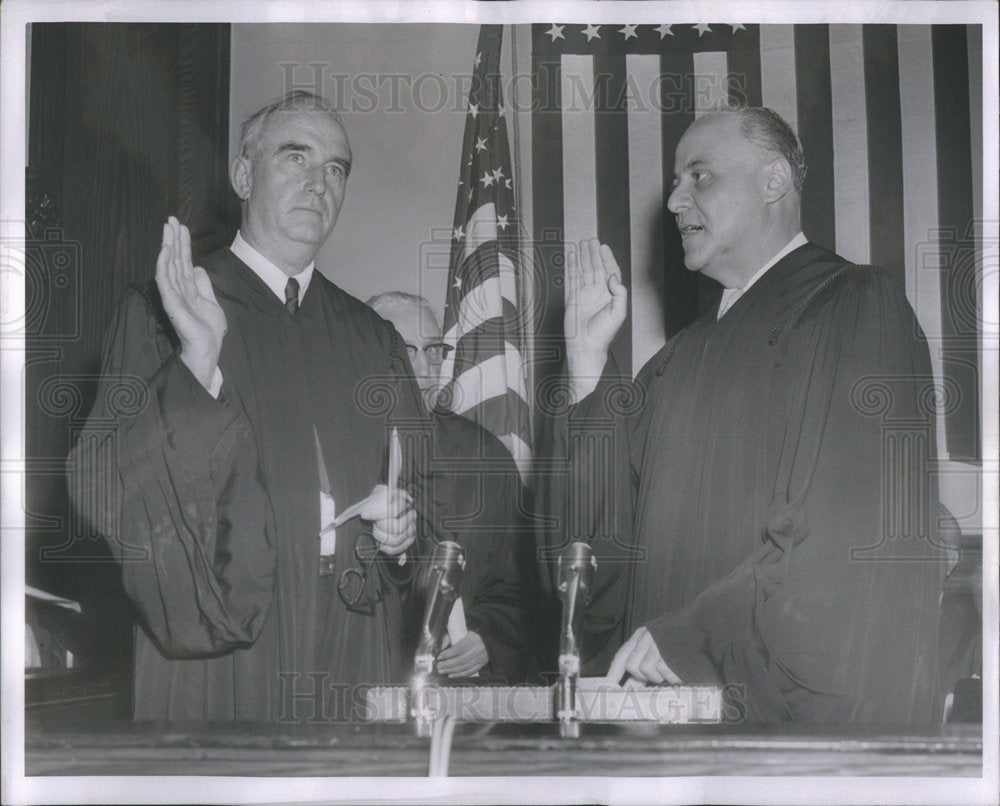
(436, 708)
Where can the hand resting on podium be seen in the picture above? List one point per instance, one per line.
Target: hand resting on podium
(640, 658)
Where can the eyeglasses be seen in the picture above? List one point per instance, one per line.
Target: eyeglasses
(435, 353)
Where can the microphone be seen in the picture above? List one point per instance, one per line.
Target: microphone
(574, 576)
(439, 582)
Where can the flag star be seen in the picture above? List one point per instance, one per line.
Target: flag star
(487, 179)
(507, 183)
(480, 144)
(500, 110)
(457, 284)
(474, 110)
(703, 28)
(737, 27)
(479, 58)
(664, 30)
(458, 233)
(556, 32)
(629, 31)
(498, 174)
(592, 32)
(502, 222)
(471, 193)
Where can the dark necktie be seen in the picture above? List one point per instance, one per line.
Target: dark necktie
(292, 296)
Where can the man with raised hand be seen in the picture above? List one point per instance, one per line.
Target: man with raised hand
(269, 400)
(758, 529)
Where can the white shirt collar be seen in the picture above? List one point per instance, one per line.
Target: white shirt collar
(730, 295)
(273, 277)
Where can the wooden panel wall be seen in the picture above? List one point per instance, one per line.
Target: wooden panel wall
(128, 123)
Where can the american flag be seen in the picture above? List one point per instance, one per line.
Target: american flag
(890, 118)
(483, 318)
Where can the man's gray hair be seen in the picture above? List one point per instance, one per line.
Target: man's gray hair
(295, 101)
(766, 129)
(396, 299)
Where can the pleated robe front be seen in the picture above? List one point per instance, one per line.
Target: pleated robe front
(212, 506)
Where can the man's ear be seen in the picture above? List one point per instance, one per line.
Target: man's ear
(778, 180)
(241, 176)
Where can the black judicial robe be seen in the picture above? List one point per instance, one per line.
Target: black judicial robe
(771, 518)
(212, 506)
(478, 497)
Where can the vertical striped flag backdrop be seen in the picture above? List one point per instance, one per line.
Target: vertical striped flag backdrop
(482, 317)
(890, 121)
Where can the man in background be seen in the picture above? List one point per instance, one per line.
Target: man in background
(769, 537)
(477, 493)
(247, 435)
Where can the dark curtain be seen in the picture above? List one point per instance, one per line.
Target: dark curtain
(128, 123)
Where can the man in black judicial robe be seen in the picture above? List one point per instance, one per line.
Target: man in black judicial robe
(477, 495)
(261, 410)
(770, 523)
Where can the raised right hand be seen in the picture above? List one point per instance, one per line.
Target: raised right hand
(596, 304)
(189, 300)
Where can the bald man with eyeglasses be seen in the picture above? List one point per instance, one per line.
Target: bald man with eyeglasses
(477, 494)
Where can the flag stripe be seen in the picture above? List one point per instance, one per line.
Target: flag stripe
(777, 69)
(484, 340)
(499, 410)
(955, 216)
(490, 277)
(480, 229)
(885, 147)
(711, 91)
(974, 45)
(486, 380)
(850, 143)
(923, 277)
(579, 172)
(612, 174)
(648, 212)
(547, 201)
(745, 68)
(815, 104)
(521, 452)
(499, 415)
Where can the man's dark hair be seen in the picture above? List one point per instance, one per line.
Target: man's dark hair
(766, 129)
(294, 101)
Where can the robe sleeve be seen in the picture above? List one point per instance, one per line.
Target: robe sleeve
(497, 605)
(586, 493)
(170, 477)
(833, 617)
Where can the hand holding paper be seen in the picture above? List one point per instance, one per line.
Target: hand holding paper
(379, 491)
(388, 507)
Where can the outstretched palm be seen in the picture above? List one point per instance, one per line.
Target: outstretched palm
(189, 301)
(596, 303)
